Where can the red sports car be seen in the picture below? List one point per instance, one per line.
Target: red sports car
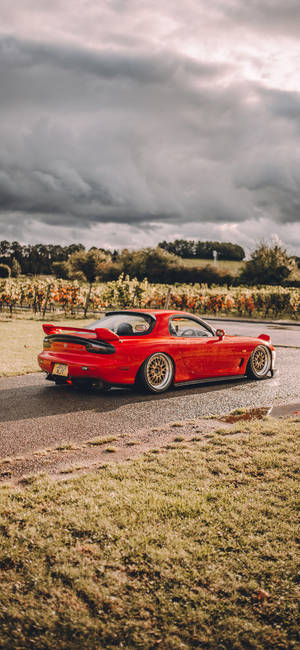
(151, 348)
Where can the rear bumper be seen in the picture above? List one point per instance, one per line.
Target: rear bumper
(104, 369)
(78, 368)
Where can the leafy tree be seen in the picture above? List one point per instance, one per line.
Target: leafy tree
(268, 265)
(73, 248)
(91, 263)
(61, 270)
(15, 268)
(4, 248)
(154, 263)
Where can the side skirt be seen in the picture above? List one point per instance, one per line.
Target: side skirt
(210, 380)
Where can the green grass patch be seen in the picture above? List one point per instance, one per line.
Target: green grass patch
(179, 550)
(230, 266)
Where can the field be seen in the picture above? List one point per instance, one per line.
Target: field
(195, 547)
(230, 266)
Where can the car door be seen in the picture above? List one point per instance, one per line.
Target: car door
(197, 346)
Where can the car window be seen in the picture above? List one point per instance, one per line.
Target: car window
(184, 326)
(125, 324)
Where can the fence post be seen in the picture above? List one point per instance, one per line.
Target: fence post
(87, 300)
(167, 298)
(46, 300)
(134, 296)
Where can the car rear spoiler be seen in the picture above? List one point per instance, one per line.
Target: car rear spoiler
(265, 337)
(100, 332)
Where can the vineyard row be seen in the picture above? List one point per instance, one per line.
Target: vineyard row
(45, 295)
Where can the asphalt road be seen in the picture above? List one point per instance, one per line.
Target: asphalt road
(283, 335)
(35, 414)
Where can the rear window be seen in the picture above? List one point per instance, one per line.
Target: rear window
(125, 324)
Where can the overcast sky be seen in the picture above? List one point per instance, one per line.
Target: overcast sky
(125, 122)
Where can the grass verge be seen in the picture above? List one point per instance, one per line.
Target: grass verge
(20, 343)
(190, 548)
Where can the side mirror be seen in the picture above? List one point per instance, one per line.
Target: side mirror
(220, 333)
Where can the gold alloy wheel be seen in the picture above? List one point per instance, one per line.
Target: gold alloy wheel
(260, 361)
(159, 371)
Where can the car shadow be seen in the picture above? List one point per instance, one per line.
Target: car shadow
(44, 399)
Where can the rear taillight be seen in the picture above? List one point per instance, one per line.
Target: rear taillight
(72, 343)
(100, 349)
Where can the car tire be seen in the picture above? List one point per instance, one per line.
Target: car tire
(157, 373)
(260, 362)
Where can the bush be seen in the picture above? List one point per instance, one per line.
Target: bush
(5, 271)
(268, 265)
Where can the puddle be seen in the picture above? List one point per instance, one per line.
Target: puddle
(250, 414)
(286, 410)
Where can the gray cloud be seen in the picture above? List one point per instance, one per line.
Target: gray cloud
(267, 16)
(137, 131)
(144, 68)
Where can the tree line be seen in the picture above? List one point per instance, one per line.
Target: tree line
(38, 259)
(34, 259)
(267, 265)
(204, 249)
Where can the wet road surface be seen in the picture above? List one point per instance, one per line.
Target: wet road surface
(35, 414)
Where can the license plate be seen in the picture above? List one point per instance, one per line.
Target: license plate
(60, 369)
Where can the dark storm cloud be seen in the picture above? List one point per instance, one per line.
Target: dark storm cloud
(91, 135)
(143, 68)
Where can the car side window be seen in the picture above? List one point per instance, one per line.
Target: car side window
(184, 326)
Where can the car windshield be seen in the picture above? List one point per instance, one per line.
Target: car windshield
(125, 324)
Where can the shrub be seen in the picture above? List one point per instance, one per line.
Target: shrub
(268, 265)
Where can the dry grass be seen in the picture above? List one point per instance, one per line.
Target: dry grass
(20, 343)
(192, 548)
(100, 441)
